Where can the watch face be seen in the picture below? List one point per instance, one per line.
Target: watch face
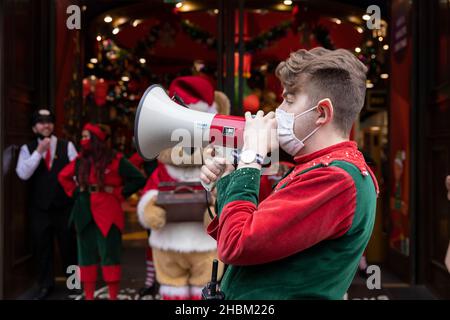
(248, 156)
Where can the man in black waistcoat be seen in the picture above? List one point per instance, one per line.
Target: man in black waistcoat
(39, 163)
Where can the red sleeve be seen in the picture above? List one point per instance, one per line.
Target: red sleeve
(66, 178)
(265, 188)
(152, 181)
(317, 205)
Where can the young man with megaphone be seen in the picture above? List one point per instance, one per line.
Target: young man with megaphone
(305, 240)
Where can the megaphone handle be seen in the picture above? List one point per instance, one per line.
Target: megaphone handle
(221, 152)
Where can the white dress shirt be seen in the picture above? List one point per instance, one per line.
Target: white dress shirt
(28, 163)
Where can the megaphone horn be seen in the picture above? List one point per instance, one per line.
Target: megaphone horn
(158, 117)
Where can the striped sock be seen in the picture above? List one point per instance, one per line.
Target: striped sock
(150, 269)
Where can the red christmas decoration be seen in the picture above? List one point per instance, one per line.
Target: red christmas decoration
(101, 90)
(86, 87)
(251, 103)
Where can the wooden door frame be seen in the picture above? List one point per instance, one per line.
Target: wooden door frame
(2, 224)
(421, 81)
(40, 97)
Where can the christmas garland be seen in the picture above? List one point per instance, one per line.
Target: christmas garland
(199, 35)
(266, 39)
(149, 42)
(260, 42)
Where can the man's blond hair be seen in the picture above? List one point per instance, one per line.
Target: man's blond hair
(323, 73)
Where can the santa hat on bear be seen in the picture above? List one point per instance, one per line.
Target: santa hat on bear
(197, 93)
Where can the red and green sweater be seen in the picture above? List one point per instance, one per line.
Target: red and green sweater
(304, 241)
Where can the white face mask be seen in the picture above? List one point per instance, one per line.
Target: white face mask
(285, 129)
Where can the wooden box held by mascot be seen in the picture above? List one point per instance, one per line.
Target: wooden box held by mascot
(182, 250)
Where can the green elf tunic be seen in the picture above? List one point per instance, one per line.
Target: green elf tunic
(305, 240)
(98, 216)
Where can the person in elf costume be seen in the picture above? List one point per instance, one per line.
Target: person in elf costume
(304, 241)
(99, 180)
(182, 251)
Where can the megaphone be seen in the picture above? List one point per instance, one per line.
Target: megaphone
(159, 118)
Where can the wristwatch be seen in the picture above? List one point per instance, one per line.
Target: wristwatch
(247, 157)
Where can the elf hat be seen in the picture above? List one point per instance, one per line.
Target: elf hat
(95, 130)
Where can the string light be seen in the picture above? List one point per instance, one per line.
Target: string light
(108, 19)
(136, 22)
(357, 49)
(384, 76)
(94, 60)
(366, 17)
(99, 38)
(179, 5)
(337, 21)
(125, 78)
(142, 61)
(287, 2)
(359, 29)
(380, 39)
(116, 31)
(386, 47)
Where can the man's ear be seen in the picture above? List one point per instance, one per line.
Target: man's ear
(326, 111)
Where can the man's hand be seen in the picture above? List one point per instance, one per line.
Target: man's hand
(260, 133)
(43, 146)
(214, 167)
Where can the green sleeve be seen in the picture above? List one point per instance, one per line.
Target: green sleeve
(242, 184)
(133, 178)
(150, 166)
